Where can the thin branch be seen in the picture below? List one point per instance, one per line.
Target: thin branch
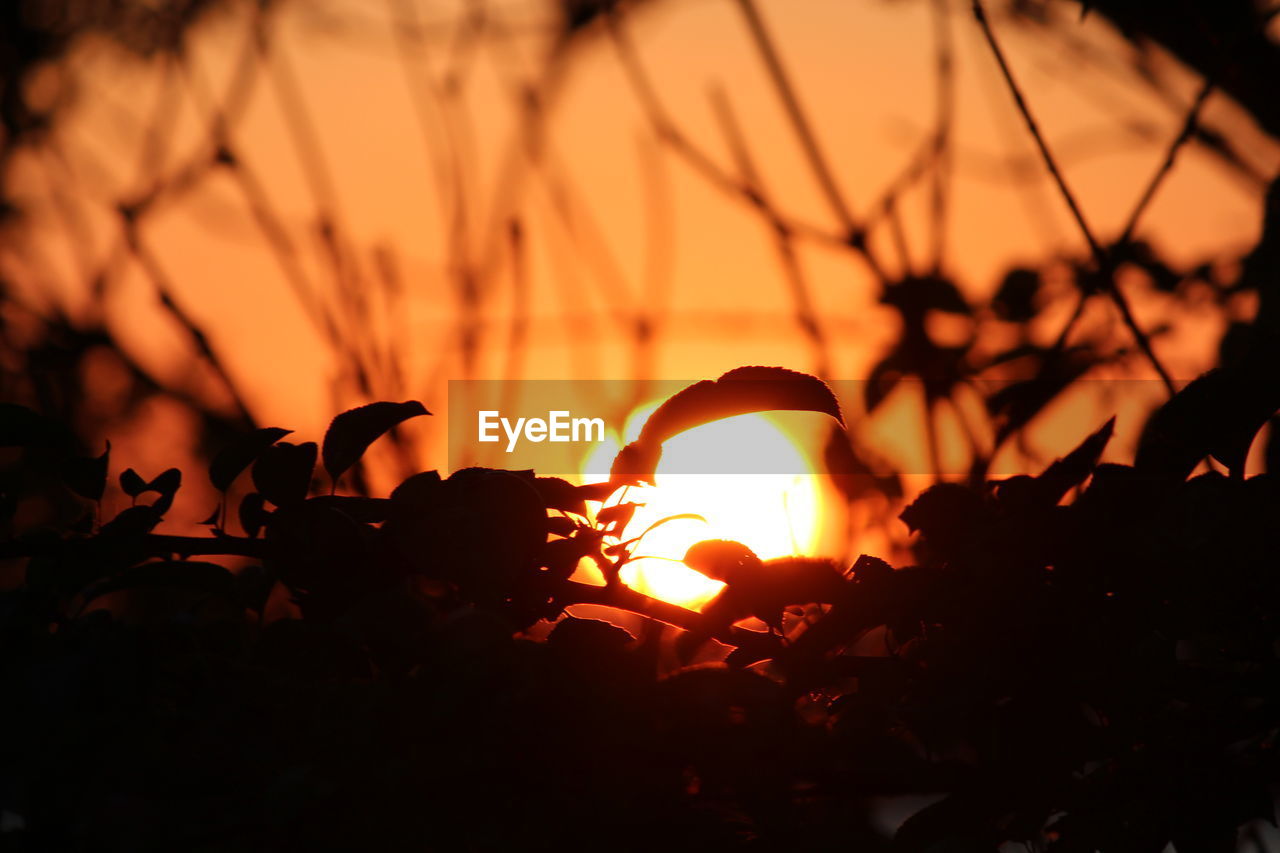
(945, 86)
(1188, 130)
(795, 113)
(165, 293)
(1166, 165)
(805, 314)
(519, 328)
(1102, 259)
(665, 128)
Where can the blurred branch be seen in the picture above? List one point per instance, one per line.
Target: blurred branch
(1162, 171)
(165, 292)
(805, 314)
(669, 132)
(799, 121)
(945, 86)
(1105, 266)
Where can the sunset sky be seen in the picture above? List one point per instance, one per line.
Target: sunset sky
(615, 224)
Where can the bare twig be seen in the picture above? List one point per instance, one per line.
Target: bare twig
(945, 87)
(1101, 258)
(805, 314)
(1184, 135)
(670, 134)
(164, 291)
(795, 114)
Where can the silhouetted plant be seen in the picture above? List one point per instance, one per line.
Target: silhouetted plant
(1096, 674)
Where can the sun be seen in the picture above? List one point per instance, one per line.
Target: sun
(774, 514)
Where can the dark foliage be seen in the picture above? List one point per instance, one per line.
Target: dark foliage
(1092, 675)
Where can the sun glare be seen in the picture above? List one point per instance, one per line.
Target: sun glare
(774, 514)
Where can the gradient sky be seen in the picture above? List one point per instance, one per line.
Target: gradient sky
(645, 232)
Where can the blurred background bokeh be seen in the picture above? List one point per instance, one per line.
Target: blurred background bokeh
(222, 212)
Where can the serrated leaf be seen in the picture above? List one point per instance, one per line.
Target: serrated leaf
(351, 432)
(239, 455)
(740, 391)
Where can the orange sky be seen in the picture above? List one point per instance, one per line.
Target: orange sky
(865, 71)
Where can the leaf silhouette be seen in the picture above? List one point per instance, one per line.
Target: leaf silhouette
(283, 472)
(740, 391)
(167, 485)
(948, 515)
(234, 458)
(1066, 473)
(1218, 414)
(351, 432)
(721, 559)
(131, 483)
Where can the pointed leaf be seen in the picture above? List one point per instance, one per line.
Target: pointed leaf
(351, 432)
(1217, 415)
(1071, 470)
(740, 391)
(234, 458)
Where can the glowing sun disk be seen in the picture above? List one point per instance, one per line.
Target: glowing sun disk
(774, 514)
